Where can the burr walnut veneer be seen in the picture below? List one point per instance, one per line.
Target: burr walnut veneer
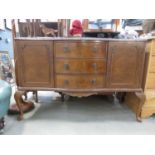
(79, 66)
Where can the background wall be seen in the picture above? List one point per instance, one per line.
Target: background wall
(6, 42)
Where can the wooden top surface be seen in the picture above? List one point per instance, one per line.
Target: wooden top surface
(76, 39)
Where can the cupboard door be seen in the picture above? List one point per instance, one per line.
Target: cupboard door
(35, 67)
(125, 64)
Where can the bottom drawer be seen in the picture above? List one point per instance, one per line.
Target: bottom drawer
(80, 81)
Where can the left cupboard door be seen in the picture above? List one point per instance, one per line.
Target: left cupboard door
(34, 63)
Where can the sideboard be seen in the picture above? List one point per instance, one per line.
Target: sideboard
(79, 66)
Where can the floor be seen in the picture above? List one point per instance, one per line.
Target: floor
(87, 115)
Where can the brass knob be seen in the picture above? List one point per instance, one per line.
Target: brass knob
(66, 82)
(93, 81)
(66, 66)
(94, 49)
(66, 49)
(94, 65)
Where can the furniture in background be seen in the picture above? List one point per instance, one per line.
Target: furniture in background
(6, 41)
(78, 66)
(6, 67)
(133, 25)
(101, 28)
(132, 99)
(5, 95)
(110, 25)
(33, 28)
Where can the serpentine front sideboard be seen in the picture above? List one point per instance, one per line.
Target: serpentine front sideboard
(79, 66)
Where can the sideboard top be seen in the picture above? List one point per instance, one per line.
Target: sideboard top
(76, 39)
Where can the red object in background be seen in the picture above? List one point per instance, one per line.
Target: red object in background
(76, 28)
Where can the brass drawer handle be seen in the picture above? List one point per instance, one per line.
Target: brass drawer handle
(66, 66)
(66, 82)
(94, 49)
(93, 81)
(66, 49)
(94, 65)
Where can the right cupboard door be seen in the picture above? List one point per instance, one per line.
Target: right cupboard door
(125, 64)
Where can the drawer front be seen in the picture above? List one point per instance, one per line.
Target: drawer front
(80, 49)
(80, 66)
(79, 81)
(152, 65)
(151, 81)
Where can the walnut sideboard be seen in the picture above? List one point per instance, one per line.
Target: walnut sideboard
(79, 66)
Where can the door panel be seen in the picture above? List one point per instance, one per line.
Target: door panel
(125, 67)
(35, 63)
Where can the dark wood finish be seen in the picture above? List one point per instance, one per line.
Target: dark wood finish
(78, 49)
(81, 90)
(80, 64)
(80, 81)
(125, 64)
(79, 67)
(71, 66)
(35, 63)
(21, 104)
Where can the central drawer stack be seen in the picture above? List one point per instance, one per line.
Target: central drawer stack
(80, 64)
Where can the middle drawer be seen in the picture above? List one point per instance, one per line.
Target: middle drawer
(80, 66)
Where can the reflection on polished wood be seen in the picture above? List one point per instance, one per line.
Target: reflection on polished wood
(78, 67)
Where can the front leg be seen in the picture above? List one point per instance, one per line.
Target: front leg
(19, 102)
(141, 97)
(35, 94)
(23, 106)
(121, 96)
(62, 97)
(115, 99)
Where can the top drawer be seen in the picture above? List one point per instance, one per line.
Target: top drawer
(80, 49)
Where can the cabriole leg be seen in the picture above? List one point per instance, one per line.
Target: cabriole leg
(23, 106)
